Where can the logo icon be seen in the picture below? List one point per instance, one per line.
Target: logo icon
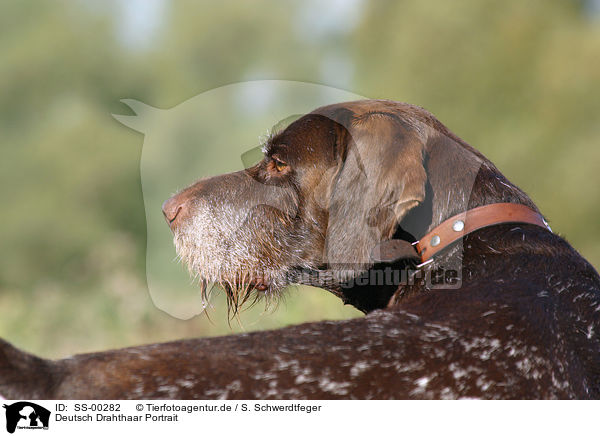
(26, 415)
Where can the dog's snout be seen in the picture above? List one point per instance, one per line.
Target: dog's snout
(173, 209)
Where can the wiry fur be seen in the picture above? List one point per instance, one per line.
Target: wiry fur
(233, 245)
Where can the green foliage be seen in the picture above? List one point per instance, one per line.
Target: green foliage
(518, 80)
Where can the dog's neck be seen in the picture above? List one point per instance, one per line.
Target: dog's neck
(448, 193)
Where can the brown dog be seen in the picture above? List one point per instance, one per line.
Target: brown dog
(506, 309)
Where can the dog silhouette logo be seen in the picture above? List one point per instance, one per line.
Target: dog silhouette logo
(202, 137)
(26, 415)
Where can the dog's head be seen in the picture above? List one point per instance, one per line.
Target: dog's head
(330, 188)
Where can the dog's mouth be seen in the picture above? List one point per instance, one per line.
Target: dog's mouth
(260, 284)
(243, 294)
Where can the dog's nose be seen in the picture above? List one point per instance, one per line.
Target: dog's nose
(173, 209)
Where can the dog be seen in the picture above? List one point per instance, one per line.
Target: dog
(467, 292)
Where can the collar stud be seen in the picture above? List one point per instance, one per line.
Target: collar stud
(458, 225)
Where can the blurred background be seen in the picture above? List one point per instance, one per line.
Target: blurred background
(518, 80)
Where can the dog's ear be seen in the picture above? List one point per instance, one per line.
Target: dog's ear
(380, 178)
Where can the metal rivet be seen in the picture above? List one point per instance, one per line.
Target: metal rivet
(435, 240)
(458, 225)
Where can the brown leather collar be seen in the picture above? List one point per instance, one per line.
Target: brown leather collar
(464, 223)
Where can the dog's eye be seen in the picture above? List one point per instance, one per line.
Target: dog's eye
(279, 165)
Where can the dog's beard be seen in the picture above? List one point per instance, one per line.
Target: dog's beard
(250, 256)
